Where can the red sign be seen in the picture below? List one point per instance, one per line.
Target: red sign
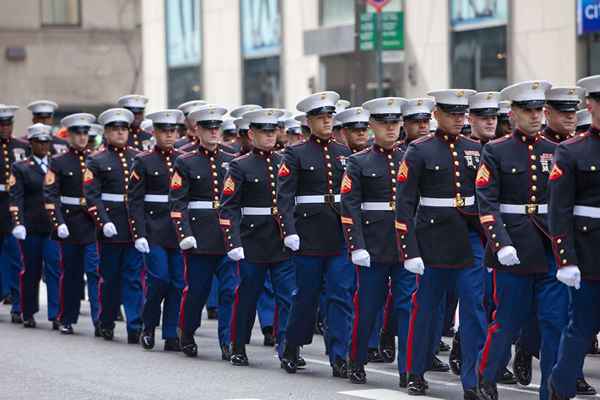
(378, 4)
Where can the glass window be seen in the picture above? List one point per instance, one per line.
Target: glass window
(61, 12)
(594, 55)
(479, 59)
(261, 82)
(337, 12)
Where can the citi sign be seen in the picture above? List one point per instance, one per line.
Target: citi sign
(588, 16)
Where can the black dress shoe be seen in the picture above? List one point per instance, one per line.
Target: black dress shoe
(269, 339)
(133, 337)
(443, 347)
(172, 344)
(97, 331)
(212, 313)
(507, 378)
(403, 382)
(488, 390)
(357, 375)
(374, 356)
(188, 345)
(339, 369)
(594, 347)
(455, 358)
(319, 328)
(449, 333)
(300, 361)
(55, 325)
(471, 394)
(416, 385)
(289, 360)
(522, 366)
(120, 316)
(225, 352)
(147, 339)
(438, 365)
(66, 329)
(107, 333)
(16, 318)
(29, 323)
(584, 389)
(7, 300)
(239, 357)
(387, 347)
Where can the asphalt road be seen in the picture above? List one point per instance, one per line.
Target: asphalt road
(43, 364)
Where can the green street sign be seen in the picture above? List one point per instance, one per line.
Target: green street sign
(392, 27)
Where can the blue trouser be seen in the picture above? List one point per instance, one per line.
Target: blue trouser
(73, 258)
(39, 253)
(199, 272)
(449, 311)
(10, 268)
(518, 297)
(431, 289)
(92, 278)
(376, 331)
(369, 301)
(265, 307)
(120, 283)
(339, 287)
(213, 298)
(583, 325)
(251, 284)
(164, 285)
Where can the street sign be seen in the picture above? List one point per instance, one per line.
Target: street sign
(378, 4)
(392, 24)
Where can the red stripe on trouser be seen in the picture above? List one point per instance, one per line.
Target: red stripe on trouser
(276, 320)
(100, 281)
(491, 331)
(387, 310)
(354, 348)
(22, 277)
(234, 310)
(184, 294)
(411, 328)
(61, 284)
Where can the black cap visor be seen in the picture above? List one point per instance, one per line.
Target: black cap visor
(563, 106)
(453, 108)
(322, 110)
(529, 104)
(210, 124)
(484, 112)
(387, 117)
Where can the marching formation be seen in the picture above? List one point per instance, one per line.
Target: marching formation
(366, 224)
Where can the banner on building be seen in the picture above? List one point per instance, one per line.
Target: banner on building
(261, 28)
(476, 14)
(588, 16)
(184, 34)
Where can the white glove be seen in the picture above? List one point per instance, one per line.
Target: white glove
(19, 232)
(109, 229)
(570, 275)
(292, 242)
(508, 256)
(236, 254)
(415, 265)
(142, 246)
(188, 243)
(62, 231)
(361, 257)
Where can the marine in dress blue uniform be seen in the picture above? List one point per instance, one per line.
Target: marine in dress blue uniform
(137, 139)
(250, 219)
(105, 184)
(191, 134)
(72, 226)
(12, 149)
(574, 211)
(512, 195)
(154, 231)
(42, 111)
(32, 227)
(195, 190)
(308, 201)
(438, 234)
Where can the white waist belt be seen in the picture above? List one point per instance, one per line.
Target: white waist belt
(113, 197)
(377, 206)
(2, 188)
(259, 210)
(446, 202)
(156, 198)
(318, 199)
(524, 208)
(586, 211)
(72, 201)
(201, 205)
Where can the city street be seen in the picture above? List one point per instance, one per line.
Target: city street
(43, 364)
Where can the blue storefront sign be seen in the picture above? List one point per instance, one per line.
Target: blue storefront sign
(588, 16)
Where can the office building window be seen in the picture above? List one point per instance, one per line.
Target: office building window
(61, 12)
(261, 82)
(337, 12)
(479, 59)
